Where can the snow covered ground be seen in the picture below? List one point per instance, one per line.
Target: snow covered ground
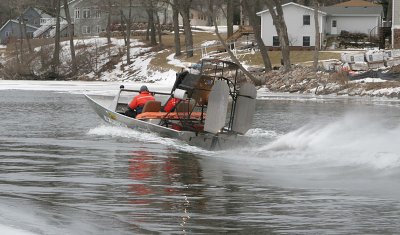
(80, 87)
(110, 76)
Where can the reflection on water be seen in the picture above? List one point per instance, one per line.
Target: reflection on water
(166, 183)
(315, 167)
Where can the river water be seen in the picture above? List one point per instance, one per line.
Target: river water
(317, 165)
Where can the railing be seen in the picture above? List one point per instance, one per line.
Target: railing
(51, 21)
(48, 21)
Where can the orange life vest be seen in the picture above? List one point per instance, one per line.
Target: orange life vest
(140, 100)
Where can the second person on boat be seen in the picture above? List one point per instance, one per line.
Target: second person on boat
(135, 107)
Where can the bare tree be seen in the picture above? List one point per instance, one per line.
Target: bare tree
(250, 8)
(108, 29)
(26, 35)
(71, 37)
(159, 30)
(317, 35)
(21, 40)
(56, 55)
(229, 18)
(150, 9)
(184, 9)
(128, 34)
(212, 14)
(275, 9)
(175, 20)
(18, 7)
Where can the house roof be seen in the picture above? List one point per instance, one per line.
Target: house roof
(41, 12)
(356, 3)
(295, 4)
(344, 10)
(16, 22)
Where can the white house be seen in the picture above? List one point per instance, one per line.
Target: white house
(356, 16)
(396, 24)
(299, 22)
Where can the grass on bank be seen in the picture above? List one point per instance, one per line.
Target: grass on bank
(252, 59)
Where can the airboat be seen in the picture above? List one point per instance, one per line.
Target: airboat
(215, 109)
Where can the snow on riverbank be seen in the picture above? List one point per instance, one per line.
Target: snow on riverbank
(108, 63)
(79, 87)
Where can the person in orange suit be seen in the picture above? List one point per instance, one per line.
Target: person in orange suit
(135, 107)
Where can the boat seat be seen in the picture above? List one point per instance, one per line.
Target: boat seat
(152, 106)
(184, 107)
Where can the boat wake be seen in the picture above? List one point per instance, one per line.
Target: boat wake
(354, 140)
(261, 133)
(13, 231)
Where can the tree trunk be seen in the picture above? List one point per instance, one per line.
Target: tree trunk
(21, 38)
(71, 37)
(150, 14)
(128, 34)
(56, 55)
(148, 32)
(159, 29)
(281, 29)
(250, 8)
(108, 29)
(175, 18)
(284, 37)
(210, 9)
(317, 36)
(184, 8)
(229, 18)
(123, 20)
(28, 42)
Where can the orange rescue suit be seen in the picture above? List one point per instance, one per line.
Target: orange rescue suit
(171, 104)
(140, 100)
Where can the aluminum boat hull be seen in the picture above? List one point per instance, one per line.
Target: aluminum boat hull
(203, 140)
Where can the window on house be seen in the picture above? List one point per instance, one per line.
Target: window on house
(275, 41)
(29, 34)
(98, 29)
(334, 23)
(306, 19)
(98, 13)
(306, 41)
(77, 13)
(85, 29)
(8, 33)
(86, 13)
